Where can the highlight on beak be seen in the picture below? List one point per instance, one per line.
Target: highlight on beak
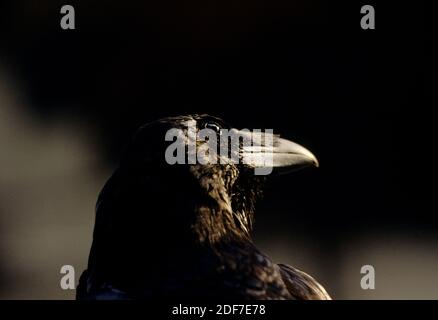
(269, 151)
(288, 153)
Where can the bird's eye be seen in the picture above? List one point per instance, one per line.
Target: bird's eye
(213, 126)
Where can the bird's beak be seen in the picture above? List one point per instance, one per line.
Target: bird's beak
(269, 152)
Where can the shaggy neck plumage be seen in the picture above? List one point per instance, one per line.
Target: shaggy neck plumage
(225, 211)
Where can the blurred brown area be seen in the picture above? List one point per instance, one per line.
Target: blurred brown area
(50, 175)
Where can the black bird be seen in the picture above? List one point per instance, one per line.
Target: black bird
(184, 230)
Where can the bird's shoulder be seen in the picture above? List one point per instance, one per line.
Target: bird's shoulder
(252, 274)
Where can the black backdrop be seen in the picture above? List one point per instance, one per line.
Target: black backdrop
(362, 100)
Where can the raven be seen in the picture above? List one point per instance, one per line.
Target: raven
(174, 231)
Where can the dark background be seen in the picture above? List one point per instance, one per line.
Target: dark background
(364, 101)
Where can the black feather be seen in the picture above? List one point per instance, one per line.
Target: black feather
(182, 231)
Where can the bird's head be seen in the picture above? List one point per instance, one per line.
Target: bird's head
(207, 168)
